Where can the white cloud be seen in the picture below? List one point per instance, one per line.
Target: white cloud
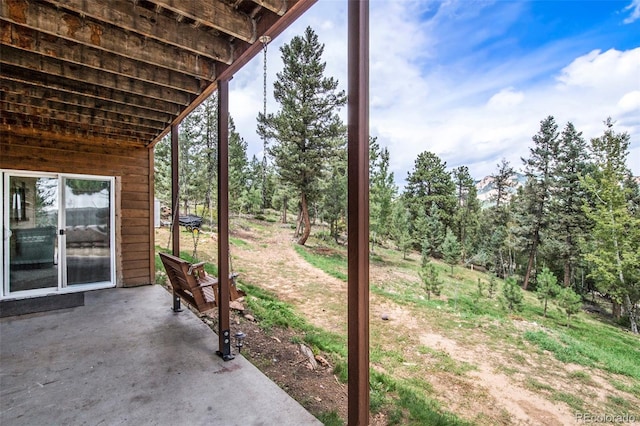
(634, 7)
(630, 102)
(506, 98)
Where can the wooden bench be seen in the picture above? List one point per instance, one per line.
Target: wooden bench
(191, 283)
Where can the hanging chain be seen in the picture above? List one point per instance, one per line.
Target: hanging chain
(265, 40)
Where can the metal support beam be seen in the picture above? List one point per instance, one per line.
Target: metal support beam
(358, 212)
(175, 208)
(224, 333)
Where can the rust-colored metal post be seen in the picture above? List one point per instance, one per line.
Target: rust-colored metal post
(175, 207)
(358, 212)
(224, 332)
(175, 192)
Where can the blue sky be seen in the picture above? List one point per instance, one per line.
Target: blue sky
(471, 80)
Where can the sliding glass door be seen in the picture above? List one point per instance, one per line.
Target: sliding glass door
(32, 206)
(58, 233)
(87, 231)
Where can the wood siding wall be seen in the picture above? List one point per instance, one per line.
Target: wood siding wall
(131, 165)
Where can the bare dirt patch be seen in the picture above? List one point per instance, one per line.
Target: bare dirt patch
(485, 394)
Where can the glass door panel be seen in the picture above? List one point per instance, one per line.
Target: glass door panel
(33, 239)
(87, 220)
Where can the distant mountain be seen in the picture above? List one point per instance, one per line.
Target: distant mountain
(487, 191)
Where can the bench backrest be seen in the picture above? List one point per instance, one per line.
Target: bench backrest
(186, 285)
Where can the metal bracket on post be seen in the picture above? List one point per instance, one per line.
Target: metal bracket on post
(225, 352)
(176, 303)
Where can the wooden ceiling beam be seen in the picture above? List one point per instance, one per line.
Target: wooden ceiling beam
(66, 136)
(128, 15)
(214, 14)
(68, 89)
(65, 127)
(10, 88)
(55, 47)
(74, 119)
(46, 19)
(276, 6)
(30, 62)
(54, 107)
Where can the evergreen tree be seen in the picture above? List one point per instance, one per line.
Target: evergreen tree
(400, 224)
(493, 284)
(502, 181)
(451, 250)
(429, 275)
(479, 289)
(430, 184)
(614, 252)
(382, 192)
(570, 302)
(162, 170)
(431, 231)
(467, 216)
(191, 175)
(207, 113)
(547, 288)
(334, 203)
(251, 198)
(512, 295)
(568, 221)
(238, 168)
(307, 126)
(497, 218)
(538, 168)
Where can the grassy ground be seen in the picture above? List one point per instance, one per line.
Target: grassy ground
(590, 366)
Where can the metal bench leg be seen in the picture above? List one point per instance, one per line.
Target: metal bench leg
(176, 303)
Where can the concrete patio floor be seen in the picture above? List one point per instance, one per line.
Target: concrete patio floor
(126, 359)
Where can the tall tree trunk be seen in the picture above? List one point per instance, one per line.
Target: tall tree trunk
(567, 264)
(298, 223)
(284, 210)
(532, 256)
(627, 301)
(305, 218)
(616, 310)
(567, 272)
(633, 314)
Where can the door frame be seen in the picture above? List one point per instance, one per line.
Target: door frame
(62, 287)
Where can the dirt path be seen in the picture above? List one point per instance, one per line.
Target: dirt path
(485, 395)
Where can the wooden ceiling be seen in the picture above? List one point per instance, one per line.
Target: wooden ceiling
(124, 70)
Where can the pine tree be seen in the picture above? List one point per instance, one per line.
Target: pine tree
(306, 128)
(467, 216)
(400, 224)
(334, 203)
(430, 184)
(238, 168)
(451, 249)
(493, 284)
(429, 275)
(495, 229)
(502, 181)
(430, 230)
(382, 192)
(614, 252)
(538, 168)
(512, 295)
(207, 113)
(570, 302)
(568, 221)
(162, 170)
(547, 288)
